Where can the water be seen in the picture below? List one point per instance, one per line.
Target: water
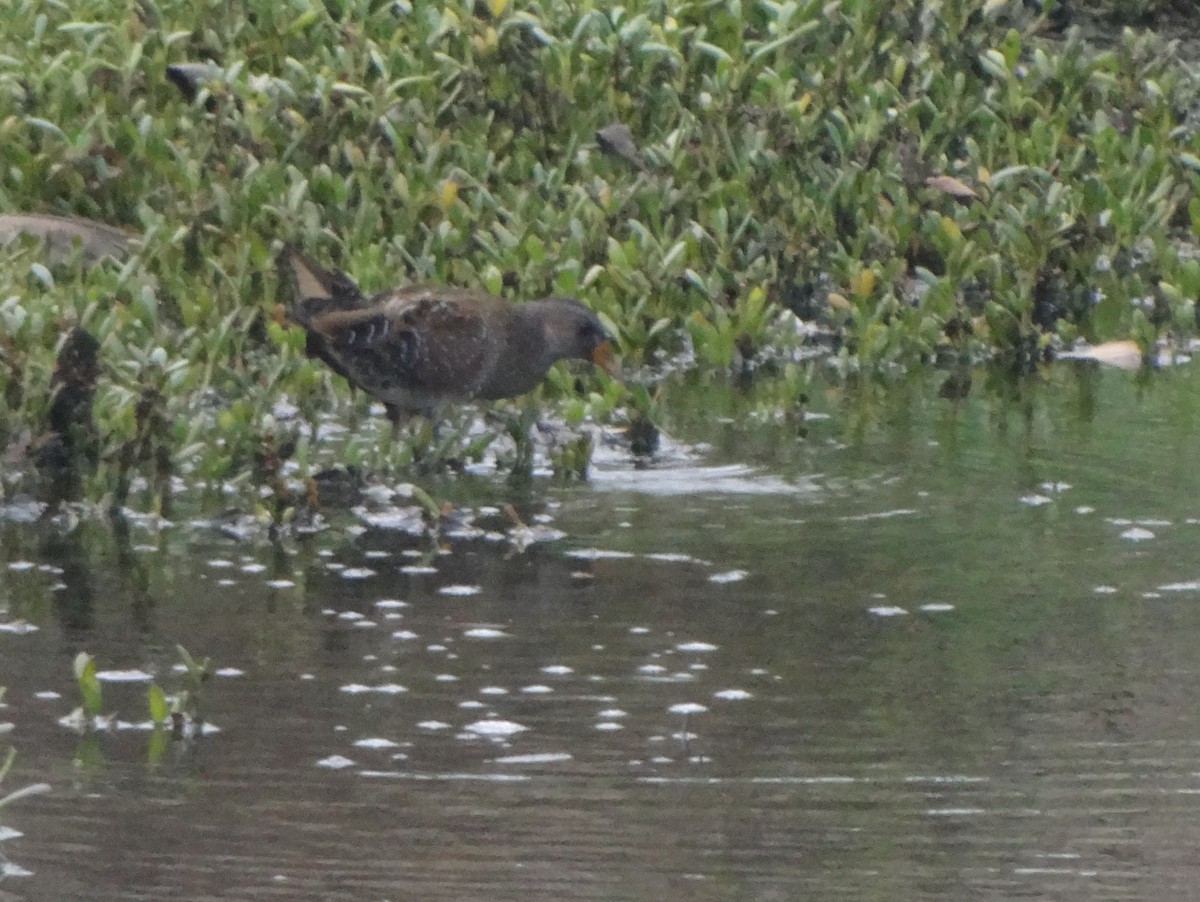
(935, 650)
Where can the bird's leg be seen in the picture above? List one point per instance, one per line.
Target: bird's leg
(395, 417)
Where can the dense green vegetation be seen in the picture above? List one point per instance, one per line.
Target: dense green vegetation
(920, 180)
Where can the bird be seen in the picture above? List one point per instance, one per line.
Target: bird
(419, 348)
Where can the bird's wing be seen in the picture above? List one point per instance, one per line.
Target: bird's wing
(437, 340)
(318, 290)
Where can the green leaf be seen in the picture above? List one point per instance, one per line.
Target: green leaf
(89, 685)
(157, 701)
(304, 21)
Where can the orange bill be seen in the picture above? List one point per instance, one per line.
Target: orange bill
(603, 357)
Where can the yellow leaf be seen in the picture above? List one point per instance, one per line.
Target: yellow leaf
(354, 156)
(497, 7)
(950, 229)
(862, 284)
(1126, 355)
(839, 302)
(948, 184)
(449, 194)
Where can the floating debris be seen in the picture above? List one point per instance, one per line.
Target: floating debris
(879, 515)
(383, 689)
(410, 520)
(495, 728)
(696, 646)
(687, 708)
(671, 557)
(123, 676)
(733, 695)
(482, 632)
(460, 590)
(1137, 534)
(336, 762)
(729, 576)
(597, 554)
(542, 758)
(376, 744)
(523, 536)
(1125, 355)
(887, 610)
(936, 607)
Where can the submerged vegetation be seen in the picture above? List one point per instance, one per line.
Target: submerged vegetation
(723, 182)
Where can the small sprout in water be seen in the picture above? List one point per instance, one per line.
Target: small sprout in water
(156, 700)
(89, 685)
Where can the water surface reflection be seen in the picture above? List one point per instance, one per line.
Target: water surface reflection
(934, 650)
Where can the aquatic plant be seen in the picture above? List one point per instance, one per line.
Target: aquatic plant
(913, 181)
(89, 685)
(185, 706)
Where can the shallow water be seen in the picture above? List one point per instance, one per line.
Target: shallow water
(933, 650)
